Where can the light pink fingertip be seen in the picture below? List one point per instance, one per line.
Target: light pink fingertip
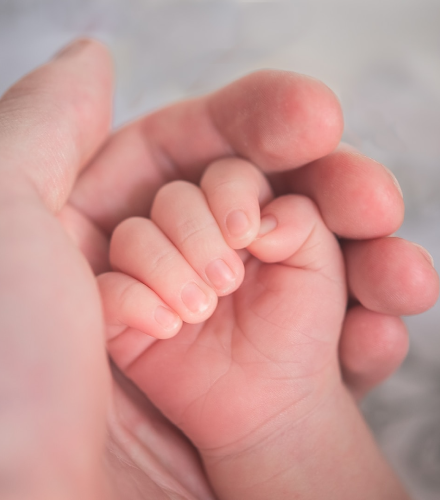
(194, 298)
(166, 318)
(237, 223)
(220, 274)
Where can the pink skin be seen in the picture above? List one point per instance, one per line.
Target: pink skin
(67, 414)
(271, 344)
(252, 372)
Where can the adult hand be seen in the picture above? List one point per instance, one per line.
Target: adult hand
(69, 426)
(279, 121)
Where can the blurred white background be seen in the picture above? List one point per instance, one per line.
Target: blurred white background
(381, 57)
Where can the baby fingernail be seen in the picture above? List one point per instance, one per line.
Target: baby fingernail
(166, 318)
(220, 274)
(268, 223)
(237, 223)
(194, 298)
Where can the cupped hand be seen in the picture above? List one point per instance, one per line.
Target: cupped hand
(279, 121)
(69, 426)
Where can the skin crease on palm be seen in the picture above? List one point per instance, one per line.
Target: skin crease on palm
(69, 422)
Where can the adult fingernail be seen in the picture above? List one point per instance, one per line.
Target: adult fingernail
(425, 253)
(395, 181)
(220, 275)
(237, 223)
(72, 48)
(268, 223)
(194, 298)
(166, 318)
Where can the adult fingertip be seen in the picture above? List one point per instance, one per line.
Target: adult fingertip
(372, 347)
(283, 119)
(80, 45)
(97, 63)
(427, 280)
(395, 181)
(418, 279)
(391, 276)
(425, 254)
(357, 196)
(73, 48)
(68, 103)
(379, 210)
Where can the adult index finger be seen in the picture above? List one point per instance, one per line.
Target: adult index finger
(278, 120)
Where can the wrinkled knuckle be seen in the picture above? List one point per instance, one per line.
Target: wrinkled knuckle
(191, 234)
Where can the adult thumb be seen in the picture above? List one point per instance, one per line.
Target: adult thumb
(55, 119)
(54, 375)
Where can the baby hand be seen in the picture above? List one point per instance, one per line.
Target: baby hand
(258, 337)
(252, 378)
